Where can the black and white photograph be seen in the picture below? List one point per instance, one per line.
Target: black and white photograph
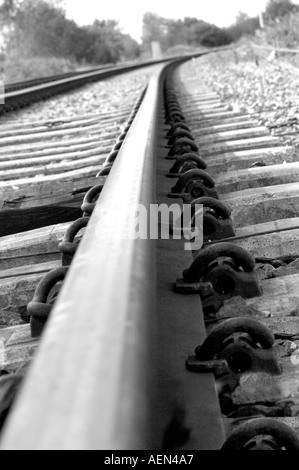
(149, 227)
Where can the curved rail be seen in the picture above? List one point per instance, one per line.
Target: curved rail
(26, 92)
(13, 86)
(23, 93)
(92, 384)
(36, 92)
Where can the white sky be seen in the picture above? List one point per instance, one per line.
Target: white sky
(130, 12)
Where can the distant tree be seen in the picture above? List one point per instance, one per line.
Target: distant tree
(176, 32)
(40, 28)
(285, 32)
(107, 41)
(244, 25)
(108, 44)
(214, 36)
(186, 32)
(279, 8)
(130, 49)
(8, 11)
(206, 34)
(58, 4)
(242, 17)
(196, 31)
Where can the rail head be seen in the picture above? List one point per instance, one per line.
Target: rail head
(92, 382)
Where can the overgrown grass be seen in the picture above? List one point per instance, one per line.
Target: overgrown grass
(15, 68)
(282, 33)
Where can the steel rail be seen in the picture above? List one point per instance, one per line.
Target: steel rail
(13, 86)
(75, 80)
(92, 384)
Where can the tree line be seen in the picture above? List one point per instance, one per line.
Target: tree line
(195, 32)
(39, 28)
(276, 12)
(187, 32)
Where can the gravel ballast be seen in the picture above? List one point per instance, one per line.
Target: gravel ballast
(267, 90)
(106, 96)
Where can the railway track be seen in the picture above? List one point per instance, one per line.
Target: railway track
(150, 345)
(22, 94)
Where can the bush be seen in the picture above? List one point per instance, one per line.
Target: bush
(246, 27)
(279, 8)
(215, 37)
(284, 32)
(17, 69)
(38, 29)
(190, 32)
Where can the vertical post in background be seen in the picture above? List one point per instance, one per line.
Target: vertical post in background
(156, 50)
(261, 20)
